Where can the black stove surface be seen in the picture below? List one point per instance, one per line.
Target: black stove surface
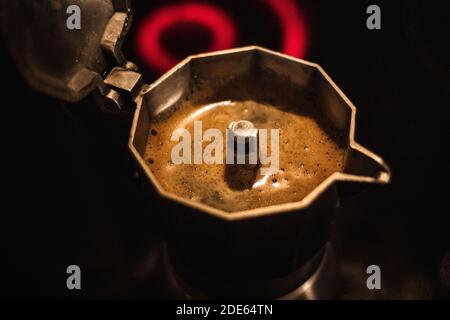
(70, 195)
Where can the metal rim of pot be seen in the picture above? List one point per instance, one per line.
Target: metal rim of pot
(383, 177)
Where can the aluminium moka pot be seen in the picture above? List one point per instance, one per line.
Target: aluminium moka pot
(263, 252)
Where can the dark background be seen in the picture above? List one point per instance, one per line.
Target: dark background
(69, 194)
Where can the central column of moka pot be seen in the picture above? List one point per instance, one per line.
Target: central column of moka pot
(247, 149)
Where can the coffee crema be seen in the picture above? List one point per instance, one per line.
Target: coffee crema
(310, 150)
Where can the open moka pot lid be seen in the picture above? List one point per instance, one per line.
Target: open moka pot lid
(232, 230)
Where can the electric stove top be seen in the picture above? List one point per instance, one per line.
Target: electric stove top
(71, 195)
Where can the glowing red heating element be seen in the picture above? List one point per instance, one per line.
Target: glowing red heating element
(293, 27)
(219, 24)
(149, 44)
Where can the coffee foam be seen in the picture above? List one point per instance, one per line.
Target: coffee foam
(310, 151)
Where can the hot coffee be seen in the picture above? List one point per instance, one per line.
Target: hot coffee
(310, 150)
